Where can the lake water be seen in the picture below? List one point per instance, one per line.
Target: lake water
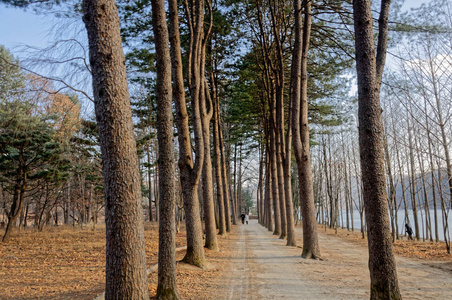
(401, 222)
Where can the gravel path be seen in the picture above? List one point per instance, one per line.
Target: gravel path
(262, 267)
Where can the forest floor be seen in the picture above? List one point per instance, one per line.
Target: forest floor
(68, 263)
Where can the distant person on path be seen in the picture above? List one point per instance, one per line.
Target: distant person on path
(247, 218)
(243, 218)
(409, 230)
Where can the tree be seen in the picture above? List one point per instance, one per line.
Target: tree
(126, 259)
(218, 166)
(144, 110)
(247, 199)
(86, 173)
(12, 77)
(166, 288)
(300, 129)
(31, 146)
(190, 171)
(27, 153)
(206, 108)
(383, 275)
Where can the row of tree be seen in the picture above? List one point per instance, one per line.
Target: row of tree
(416, 144)
(282, 43)
(260, 101)
(119, 142)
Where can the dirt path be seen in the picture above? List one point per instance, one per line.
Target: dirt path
(261, 267)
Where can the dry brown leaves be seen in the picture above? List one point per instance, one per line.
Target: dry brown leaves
(199, 284)
(68, 263)
(60, 262)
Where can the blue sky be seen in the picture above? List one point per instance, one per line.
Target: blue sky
(18, 27)
(22, 27)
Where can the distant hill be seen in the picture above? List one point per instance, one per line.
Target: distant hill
(419, 190)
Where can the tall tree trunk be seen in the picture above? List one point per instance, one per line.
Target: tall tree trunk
(412, 182)
(428, 227)
(207, 182)
(300, 131)
(329, 184)
(392, 199)
(290, 227)
(16, 207)
(218, 166)
(126, 258)
(237, 201)
(262, 219)
(274, 181)
(206, 116)
(190, 171)
(268, 194)
(27, 206)
(234, 176)
(148, 152)
(281, 189)
(166, 287)
(67, 201)
(227, 194)
(156, 192)
(279, 73)
(445, 211)
(360, 205)
(382, 267)
(348, 207)
(259, 187)
(399, 164)
(432, 168)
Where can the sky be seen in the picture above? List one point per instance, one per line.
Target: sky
(22, 27)
(18, 27)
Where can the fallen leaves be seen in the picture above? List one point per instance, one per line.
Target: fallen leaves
(69, 263)
(59, 263)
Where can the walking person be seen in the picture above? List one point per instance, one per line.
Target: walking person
(247, 218)
(409, 230)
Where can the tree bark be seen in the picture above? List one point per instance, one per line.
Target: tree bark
(16, 207)
(268, 194)
(300, 132)
(226, 182)
(190, 171)
(274, 182)
(207, 182)
(290, 228)
(218, 167)
(279, 71)
(148, 152)
(166, 287)
(126, 258)
(382, 267)
(412, 181)
(260, 187)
